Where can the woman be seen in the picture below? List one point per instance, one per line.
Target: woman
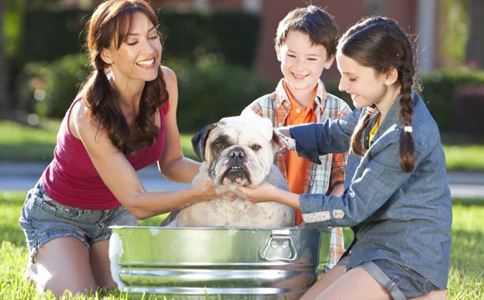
(123, 119)
(396, 196)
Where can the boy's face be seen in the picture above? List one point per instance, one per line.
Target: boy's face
(302, 62)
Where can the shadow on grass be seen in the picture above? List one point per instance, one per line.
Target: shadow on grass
(468, 201)
(30, 151)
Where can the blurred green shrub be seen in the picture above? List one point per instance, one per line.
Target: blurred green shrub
(49, 34)
(49, 88)
(233, 35)
(209, 89)
(439, 92)
(52, 33)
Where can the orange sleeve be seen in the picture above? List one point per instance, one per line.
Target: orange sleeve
(338, 165)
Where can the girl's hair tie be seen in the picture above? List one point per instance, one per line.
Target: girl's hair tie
(407, 128)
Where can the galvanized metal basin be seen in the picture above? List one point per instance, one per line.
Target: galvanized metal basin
(211, 263)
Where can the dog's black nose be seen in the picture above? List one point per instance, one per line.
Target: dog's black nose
(237, 153)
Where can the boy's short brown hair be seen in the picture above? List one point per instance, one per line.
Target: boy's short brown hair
(313, 21)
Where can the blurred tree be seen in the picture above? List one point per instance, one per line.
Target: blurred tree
(453, 32)
(11, 26)
(475, 46)
(3, 62)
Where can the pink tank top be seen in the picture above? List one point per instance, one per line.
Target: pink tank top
(71, 178)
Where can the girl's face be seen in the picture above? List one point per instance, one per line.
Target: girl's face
(364, 84)
(302, 62)
(138, 57)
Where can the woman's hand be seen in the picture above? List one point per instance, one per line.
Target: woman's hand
(208, 191)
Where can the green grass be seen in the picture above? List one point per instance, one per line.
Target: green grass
(23, 143)
(466, 278)
(469, 157)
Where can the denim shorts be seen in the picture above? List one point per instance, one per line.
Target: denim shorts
(400, 281)
(44, 219)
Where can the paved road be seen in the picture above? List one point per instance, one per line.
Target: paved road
(22, 176)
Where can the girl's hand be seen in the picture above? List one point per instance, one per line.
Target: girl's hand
(261, 193)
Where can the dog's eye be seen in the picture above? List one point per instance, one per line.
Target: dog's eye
(255, 147)
(219, 145)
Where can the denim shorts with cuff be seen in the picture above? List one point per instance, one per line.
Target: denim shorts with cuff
(43, 219)
(401, 282)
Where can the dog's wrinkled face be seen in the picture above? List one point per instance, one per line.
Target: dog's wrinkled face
(237, 150)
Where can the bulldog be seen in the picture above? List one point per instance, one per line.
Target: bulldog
(237, 151)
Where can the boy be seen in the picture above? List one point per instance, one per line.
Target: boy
(305, 45)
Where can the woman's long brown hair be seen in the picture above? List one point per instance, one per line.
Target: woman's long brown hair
(110, 23)
(381, 44)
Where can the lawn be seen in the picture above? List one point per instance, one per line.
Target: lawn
(23, 143)
(466, 279)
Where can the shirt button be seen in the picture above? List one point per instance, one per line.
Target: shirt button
(298, 110)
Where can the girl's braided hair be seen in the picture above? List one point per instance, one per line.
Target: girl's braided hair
(381, 44)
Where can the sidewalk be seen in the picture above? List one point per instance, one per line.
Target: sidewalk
(22, 176)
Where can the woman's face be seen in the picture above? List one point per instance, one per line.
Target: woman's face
(138, 57)
(364, 84)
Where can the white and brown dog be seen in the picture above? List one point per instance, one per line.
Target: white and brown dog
(237, 151)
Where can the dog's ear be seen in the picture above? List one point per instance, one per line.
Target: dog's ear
(199, 140)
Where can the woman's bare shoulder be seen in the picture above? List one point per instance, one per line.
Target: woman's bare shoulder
(169, 75)
(81, 120)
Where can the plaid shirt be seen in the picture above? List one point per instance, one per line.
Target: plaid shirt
(320, 178)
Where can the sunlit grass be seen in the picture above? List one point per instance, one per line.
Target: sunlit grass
(467, 157)
(466, 278)
(24, 143)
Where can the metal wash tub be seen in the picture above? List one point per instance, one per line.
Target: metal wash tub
(211, 263)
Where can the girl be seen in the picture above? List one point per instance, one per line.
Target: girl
(123, 119)
(396, 196)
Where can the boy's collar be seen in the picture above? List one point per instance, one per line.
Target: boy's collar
(283, 99)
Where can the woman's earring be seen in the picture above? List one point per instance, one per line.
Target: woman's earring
(109, 73)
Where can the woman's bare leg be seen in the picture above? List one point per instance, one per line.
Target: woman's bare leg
(100, 264)
(63, 264)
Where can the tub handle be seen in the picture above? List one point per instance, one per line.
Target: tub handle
(279, 247)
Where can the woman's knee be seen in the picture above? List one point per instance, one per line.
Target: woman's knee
(58, 286)
(63, 265)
